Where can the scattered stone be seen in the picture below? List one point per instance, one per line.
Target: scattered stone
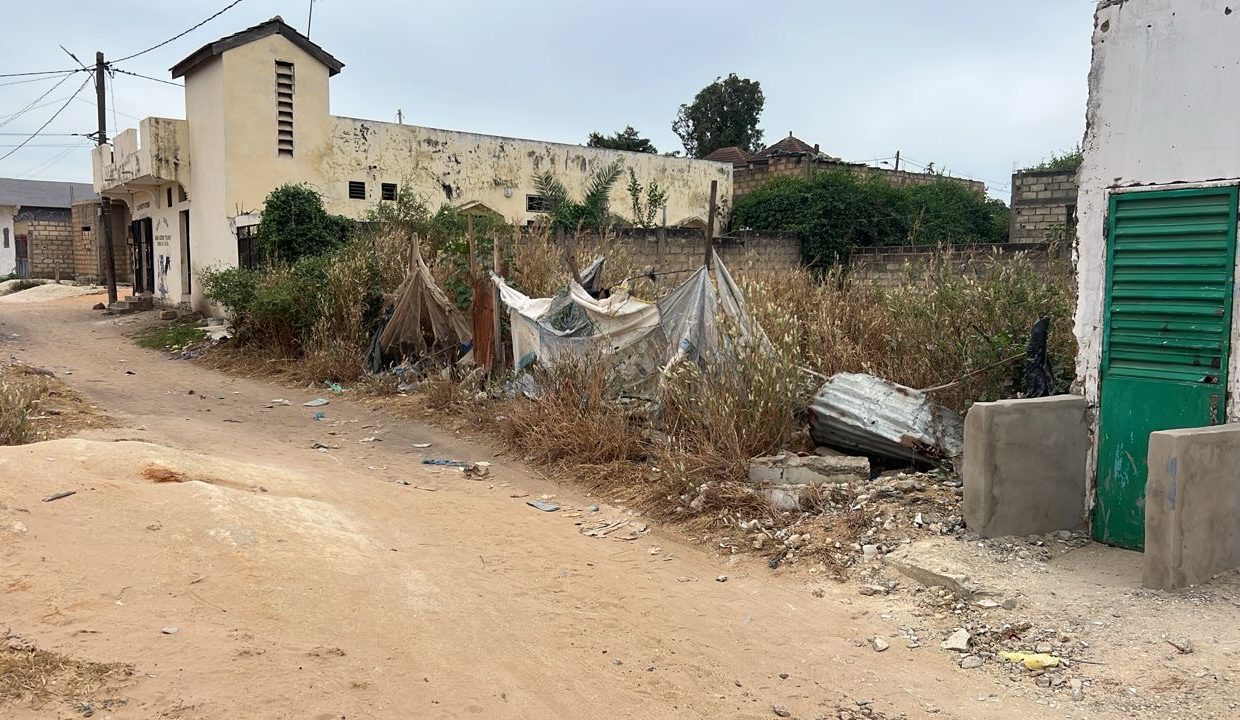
(869, 590)
(780, 711)
(99, 306)
(592, 508)
(1078, 689)
(1185, 646)
(987, 604)
(170, 630)
(168, 315)
(617, 661)
(958, 641)
(721, 578)
(879, 644)
(1009, 604)
(783, 676)
(869, 551)
(971, 662)
(1044, 648)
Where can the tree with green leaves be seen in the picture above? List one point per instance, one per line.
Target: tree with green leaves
(647, 201)
(593, 211)
(626, 139)
(295, 225)
(722, 114)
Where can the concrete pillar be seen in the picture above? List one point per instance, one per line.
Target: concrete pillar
(1192, 506)
(1024, 466)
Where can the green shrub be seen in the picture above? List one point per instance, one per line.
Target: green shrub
(275, 305)
(834, 212)
(295, 225)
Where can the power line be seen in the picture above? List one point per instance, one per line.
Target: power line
(36, 107)
(67, 73)
(48, 164)
(114, 111)
(49, 120)
(146, 77)
(181, 35)
(43, 72)
(26, 109)
(22, 134)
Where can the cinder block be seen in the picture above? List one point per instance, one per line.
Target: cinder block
(1192, 506)
(1025, 466)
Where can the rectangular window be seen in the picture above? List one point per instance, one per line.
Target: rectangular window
(357, 190)
(248, 255)
(6, 237)
(388, 191)
(537, 204)
(284, 108)
(169, 196)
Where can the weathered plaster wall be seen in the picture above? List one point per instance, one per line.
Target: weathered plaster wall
(8, 240)
(214, 244)
(1162, 104)
(166, 230)
(448, 166)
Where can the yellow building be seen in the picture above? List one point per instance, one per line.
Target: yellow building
(257, 116)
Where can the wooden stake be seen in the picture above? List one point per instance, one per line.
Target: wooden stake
(710, 223)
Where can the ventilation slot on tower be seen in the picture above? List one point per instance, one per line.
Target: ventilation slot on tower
(284, 108)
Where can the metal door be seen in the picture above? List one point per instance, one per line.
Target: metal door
(143, 256)
(1166, 337)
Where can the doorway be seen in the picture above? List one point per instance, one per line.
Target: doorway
(1166, 337)
(143, 256)
(187, 276)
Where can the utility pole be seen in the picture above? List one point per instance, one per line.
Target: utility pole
(400, 117)
(897, 161)
(105, 205)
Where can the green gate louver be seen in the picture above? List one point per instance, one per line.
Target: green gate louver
(1166, 337)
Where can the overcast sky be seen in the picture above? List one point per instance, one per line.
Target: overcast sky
(974, 86)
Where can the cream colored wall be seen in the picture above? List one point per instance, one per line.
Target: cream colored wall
(447, 166)
(8, 255)
(209, 210)
(166, 230)
(254, 167)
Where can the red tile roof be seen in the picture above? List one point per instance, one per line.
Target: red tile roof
(731, 154)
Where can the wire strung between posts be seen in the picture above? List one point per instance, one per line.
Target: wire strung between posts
(49, 120)
(979, 371)
(181, 35)
(144, 77)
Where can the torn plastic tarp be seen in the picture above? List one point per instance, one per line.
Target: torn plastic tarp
(644, 338)
(868, 415)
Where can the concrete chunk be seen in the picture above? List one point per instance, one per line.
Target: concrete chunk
(791, 469)
(1025, 466)
(1192, 506)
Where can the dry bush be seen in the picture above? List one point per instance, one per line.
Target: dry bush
(36, 676)
(947, 319)
(574, 421)
(537, 264)
(15, 400)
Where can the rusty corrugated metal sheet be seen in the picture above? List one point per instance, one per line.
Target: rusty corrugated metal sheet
(868, 415)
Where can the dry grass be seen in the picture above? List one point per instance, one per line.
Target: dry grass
(35, 405)
(37, 676)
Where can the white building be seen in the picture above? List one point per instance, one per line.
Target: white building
(257, 116)
(1156, 252)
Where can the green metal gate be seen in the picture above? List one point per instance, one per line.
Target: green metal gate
(1170, 268)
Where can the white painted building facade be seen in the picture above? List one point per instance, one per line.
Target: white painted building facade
(1155, 320)
(257, 117)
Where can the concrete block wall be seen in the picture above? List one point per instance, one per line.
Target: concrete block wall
(683, 249)
(1025, 466)
(758, 173)
(1192, 506)
(51, 244)
(890, 266)
(89, 256)
(1043, 205)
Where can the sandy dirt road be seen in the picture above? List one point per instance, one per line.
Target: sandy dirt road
(309, 584)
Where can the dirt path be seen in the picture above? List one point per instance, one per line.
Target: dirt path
(312, 584)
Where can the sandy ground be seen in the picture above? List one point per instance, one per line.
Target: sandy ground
(308, 583)
(49, 292)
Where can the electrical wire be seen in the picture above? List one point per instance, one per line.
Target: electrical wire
(79, 98)
(26, 109)
(48, 164)
(44, 72)
(181, 35)
(31, 80)
(36, 107)
(145, 77)
(49, 120)
(112, 96)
